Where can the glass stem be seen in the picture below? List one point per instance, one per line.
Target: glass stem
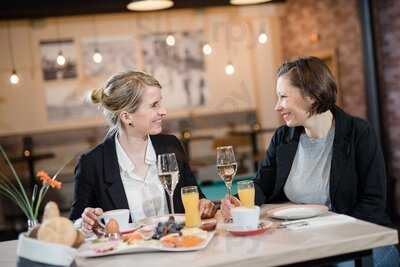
(229, 189)
(171, 202)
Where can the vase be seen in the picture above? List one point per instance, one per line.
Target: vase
(32, 223)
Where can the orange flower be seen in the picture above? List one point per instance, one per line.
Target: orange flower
(46, 179)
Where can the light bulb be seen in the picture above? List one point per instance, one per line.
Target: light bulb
(97, 57)
(61, 59)
(207, 49)
(146, 5)
(262, 38)
(229, 69)
(170, 40)
(14, 79)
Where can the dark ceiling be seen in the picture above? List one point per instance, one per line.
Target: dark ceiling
(18, 9)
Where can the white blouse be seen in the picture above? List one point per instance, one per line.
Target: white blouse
(146, 195)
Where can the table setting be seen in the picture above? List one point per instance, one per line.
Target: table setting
(116, 234)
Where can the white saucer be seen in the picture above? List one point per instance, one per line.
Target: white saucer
(238, 230)
(243, 228)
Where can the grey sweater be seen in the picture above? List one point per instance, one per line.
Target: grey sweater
(308, 181)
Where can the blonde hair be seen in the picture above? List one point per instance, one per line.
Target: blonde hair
(122, 92)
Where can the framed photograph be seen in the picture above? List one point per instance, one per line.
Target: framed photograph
(179, 66)
(331, 60)
(49, 51)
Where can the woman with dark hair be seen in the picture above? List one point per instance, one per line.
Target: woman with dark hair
(322, 155)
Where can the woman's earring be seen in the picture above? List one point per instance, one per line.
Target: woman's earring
(131, 124)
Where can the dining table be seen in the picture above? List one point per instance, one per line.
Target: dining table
(302, 246)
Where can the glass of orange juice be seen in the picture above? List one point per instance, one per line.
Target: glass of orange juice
(190, 199)
(246, 193)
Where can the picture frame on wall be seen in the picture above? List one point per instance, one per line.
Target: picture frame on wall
(49, 51)
(330, 58)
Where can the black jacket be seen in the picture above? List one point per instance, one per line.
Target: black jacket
(98, 182)
(357, 178)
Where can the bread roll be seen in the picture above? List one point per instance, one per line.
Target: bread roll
(57, 230)
(50, 211)
(80, 238)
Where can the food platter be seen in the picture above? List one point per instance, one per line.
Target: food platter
(185, 239)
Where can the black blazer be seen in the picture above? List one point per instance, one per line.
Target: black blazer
(357, 179)
(98, 182)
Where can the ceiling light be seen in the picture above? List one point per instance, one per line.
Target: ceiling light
(229, 69)
(61, 59)
(14, 79)
(207, 49)
(149, 5)
(262, 38)
(248, 2)
(170, 40)
(97, 57)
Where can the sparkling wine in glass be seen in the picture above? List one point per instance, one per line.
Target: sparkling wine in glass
(226, 166)
(168, 174)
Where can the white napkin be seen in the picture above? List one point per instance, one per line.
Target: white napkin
(331, 219)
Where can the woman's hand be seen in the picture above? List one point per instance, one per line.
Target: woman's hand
(207, 208)
(226, 205)
(89, 218)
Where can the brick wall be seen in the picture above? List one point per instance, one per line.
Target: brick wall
(387, 31)
(312, 26)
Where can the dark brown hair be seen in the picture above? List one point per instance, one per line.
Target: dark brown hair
(314, 79)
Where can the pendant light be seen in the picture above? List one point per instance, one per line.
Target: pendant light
(149, 5)
(248, 2)
(61, 60)
(229, 69)
(262, 36)
(207, 49)
(97, 57)
(14, 79)
(170, 40)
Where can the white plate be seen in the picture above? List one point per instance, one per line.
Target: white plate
(119, 247)
(295, 212)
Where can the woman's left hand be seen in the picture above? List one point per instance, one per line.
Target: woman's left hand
(207, 208)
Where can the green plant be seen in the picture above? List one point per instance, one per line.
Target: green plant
(17, 193)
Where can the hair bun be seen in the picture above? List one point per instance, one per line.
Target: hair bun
(97, 95)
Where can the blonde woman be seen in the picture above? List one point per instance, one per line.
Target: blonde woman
(121, 172)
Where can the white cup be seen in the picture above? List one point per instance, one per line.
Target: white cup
(120, 215)
(246, 217)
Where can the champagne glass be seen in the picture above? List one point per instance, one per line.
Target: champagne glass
(226, 166)
(168, 174)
